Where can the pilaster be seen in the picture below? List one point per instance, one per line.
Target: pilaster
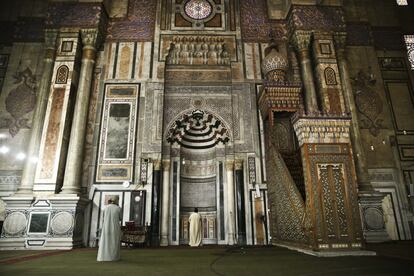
(73, 170)
(327, 74)
(56, 128)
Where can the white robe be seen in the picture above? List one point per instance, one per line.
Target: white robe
(110, 241)
(195, 229)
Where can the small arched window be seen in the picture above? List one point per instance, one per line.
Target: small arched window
(330, 76)
(62, 74)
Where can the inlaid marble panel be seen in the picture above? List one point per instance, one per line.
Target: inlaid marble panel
(128, 60)
(46, 167)
(118, 129)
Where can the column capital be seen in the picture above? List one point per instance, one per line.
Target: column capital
(166, 164)
(301, 40)
(230, 165)
(90, 37)
(157, 164)
(238, 164)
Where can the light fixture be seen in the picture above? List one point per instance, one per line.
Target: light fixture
(4, 149)
(125, 184)
(34, 159)
(20, 156)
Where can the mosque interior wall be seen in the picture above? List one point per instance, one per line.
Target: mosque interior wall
(157, 72)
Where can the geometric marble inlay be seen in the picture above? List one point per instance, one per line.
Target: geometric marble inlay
(15, 223)
(198, 9)
(62, 223)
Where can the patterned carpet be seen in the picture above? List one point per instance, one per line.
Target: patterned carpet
(201, 261)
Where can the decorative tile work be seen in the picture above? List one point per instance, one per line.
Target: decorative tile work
(368, 103)
(317, 17)
(255, 24)
(20, 101)
(74, 14)
(139, 24)
(388, 38)
(358, 34)
(28, 29)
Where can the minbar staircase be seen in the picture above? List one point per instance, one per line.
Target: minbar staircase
(293, 163)
(286, 203)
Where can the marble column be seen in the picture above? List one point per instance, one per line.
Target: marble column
(241, 212)
(230, 203)
(155, 212)
(73, 170)
(301, 41)
(363, 178)
(29, 170)
(165, 202)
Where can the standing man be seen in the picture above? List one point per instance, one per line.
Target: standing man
(110, 241)
(195, 228)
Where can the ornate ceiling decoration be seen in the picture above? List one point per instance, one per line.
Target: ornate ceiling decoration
(198, 9)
